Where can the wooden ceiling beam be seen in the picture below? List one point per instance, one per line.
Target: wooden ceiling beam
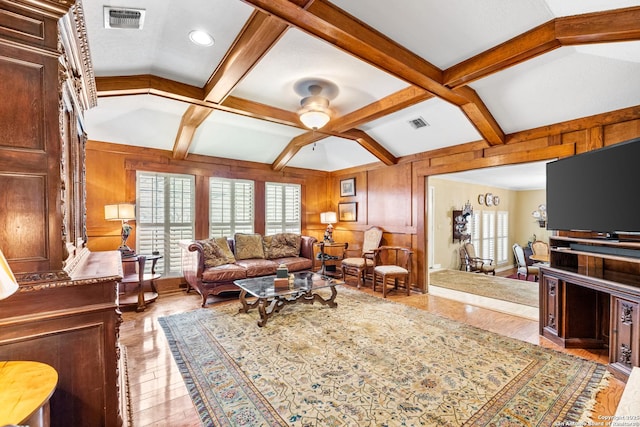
(599, 27)
(191, 119)
(521, 48)
(294, 146)
(259, 34)
(610, 26)
(371, 145)
(479, 115)
(397, 101)
(331, 24)
(145, 83)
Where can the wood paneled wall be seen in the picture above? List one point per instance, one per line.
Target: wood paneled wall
(391, 197)
(111, 178)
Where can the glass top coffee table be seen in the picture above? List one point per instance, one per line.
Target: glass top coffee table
(271, 299)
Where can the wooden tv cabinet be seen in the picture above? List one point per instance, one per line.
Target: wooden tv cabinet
(590, 298)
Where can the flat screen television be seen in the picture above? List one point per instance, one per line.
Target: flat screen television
(597, 191)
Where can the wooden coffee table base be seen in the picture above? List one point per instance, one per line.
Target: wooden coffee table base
(268, 306)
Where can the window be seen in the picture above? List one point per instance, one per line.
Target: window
(473, 228)
(230, 207)
(282, 210)
(502, 237)
(490, 235)
(165, 204)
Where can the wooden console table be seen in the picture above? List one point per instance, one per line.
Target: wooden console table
(25, 390)
(590, 298)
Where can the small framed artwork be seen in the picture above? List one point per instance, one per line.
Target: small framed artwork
(347, 212)
(348, 187)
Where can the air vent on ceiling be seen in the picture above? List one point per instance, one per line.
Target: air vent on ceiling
(120, 17)
(418, 123)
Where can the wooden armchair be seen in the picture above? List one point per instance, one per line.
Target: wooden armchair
(474, 263)
(360, 266)
(392, 263)
(539, 247)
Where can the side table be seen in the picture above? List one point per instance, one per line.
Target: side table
(139, 298)
(25, 390)
(329, 254)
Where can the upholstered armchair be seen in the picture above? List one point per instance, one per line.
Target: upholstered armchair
(476, 264)
(361, 266)
(523, 268)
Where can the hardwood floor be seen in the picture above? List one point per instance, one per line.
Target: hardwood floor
(159, 396)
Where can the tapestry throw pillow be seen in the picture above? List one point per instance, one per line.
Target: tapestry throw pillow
(216, 252)
(282, 245)
(249, 246)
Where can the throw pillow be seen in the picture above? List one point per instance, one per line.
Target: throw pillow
(249, 246)
(282, 245)
(216, 252)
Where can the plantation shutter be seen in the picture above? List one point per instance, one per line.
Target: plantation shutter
(488, 235)
(165, 204)
(502, 237)
(473, 227)
(282, 208)
(231, 207)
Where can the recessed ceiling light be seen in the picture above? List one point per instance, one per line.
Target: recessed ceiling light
(201, 38)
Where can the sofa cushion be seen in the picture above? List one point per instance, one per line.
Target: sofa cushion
(224, 273)
(258, 267)
(295, 263)
(249, 246)
(282, 245)
(216, 252)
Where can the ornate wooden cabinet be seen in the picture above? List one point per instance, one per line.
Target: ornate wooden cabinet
(65, 311)
(590, 298)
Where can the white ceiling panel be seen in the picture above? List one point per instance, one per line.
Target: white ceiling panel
(562, 85)
(299, 56)
(331, 154)
(576, 7)
(525, 176)
(447, 126)
(445, 33)
(163, 48)
(237, 137)
(126, 119)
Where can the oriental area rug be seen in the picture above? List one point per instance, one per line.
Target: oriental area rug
(371, 362)
(515, 291)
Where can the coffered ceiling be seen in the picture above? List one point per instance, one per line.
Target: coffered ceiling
(472, 70)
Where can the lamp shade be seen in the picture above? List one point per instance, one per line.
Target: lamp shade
(328, 218)
(8, 283)
(120, 212)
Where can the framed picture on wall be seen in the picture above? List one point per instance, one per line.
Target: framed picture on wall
(348, 187)
(347, 212)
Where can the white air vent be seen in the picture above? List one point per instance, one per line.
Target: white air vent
(120, 17)
(418, 123)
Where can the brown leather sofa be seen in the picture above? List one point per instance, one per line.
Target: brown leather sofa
(218, 279)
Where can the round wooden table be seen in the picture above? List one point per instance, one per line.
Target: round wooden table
(25, 390)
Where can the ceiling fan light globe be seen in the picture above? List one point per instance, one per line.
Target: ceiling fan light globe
(314, 119)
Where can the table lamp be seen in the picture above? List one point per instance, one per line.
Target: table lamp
(329, 218)
(8, 283)
(123, 212)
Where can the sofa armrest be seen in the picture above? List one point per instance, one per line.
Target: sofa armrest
(192, 260)
(306, 246)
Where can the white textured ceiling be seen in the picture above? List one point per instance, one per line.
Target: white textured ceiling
(564, 84)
